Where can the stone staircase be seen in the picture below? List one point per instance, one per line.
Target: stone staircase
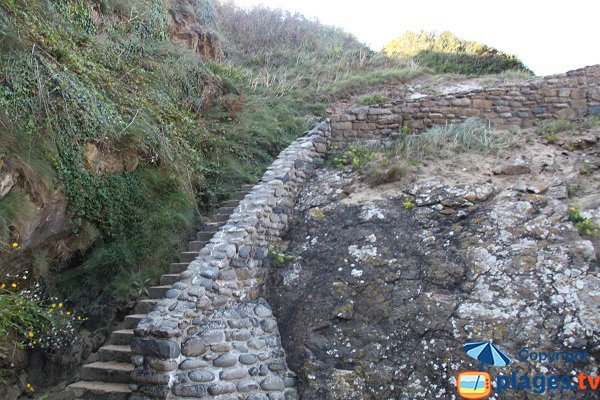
(109, 376)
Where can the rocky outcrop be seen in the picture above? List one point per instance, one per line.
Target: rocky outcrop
(7, 179)
(101, 159)
(573, 95)
(185, 28)
(386, 284)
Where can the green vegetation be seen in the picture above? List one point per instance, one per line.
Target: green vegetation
(372, 99)
(31, 320)
(586, 168)
(584, 225)
(356, 157)
(552, 138)
(385, 171)
(300, 60)
(16, 210)
(473, 135)
(446, 53)
(572, 190)
(372, 78)
(408, 204)
(515, 74)
(279, 259)
(552, 127)
(74, 81)
(317, 214)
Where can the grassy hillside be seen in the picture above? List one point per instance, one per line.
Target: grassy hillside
(289, 56)
(77, 74)
(447, 53)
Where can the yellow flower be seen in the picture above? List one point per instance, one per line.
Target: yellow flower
(30, 334)
(14, 285)
(28, 385)
(78, 318)
(15, 245)
(68, 312)
(3, 286)
(53, 305)
(60, 305)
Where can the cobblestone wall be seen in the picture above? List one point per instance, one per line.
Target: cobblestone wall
(213, 336)
(573, 95)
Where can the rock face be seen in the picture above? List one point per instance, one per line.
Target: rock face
(184, 27)
(7, 179)
(381, 296)
(101, 160)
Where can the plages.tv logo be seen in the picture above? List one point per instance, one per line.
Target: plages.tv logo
(474, 385)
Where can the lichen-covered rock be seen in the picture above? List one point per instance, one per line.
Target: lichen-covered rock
(381, 297)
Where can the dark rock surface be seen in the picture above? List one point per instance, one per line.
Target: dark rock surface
(380, 295)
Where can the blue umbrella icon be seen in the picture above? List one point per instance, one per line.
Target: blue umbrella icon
(486, 352)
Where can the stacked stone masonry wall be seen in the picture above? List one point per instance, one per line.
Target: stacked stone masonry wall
(573, 95)
(213, 336)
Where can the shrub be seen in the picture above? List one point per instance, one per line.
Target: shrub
(385, 171)
(356, 157)
(279, 259)
(373, 99)
(408, 203)
(584, 225)
(552, 127)
(471, 135)
(33, 321)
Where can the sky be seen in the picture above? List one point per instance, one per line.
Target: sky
(548, 36)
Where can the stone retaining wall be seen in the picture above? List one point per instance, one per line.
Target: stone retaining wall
(573, 95)
(213, 336)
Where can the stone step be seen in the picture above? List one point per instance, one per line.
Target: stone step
(196, 245)
(231, 203)
(205, 235)
(169, 279)
(239, 195)
(212, 225)
(92, 390)
(121, 337)
(132, 321)
(145, 306)
(219, 217)
(107, 371)
(187, 256)
(113, 352)
(177, 268)
(158, 292)
(225, 210)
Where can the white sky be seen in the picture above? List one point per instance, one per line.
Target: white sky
(548, 36)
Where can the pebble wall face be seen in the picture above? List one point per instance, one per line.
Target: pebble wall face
(213, 336)
(573, 95)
